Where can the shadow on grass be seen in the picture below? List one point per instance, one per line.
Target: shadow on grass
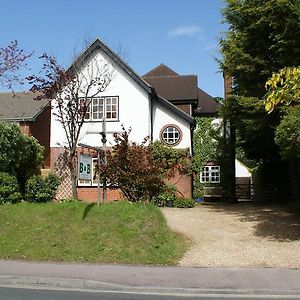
(272, 221)
(87, 210)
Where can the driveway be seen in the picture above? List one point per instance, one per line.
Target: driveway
(238, 235)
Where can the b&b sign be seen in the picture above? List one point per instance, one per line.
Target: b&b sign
(85, 167)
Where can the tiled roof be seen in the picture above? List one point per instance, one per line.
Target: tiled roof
(174, 87)
(20, 106)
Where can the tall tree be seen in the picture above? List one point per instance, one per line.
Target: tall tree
(263, 37)
(72, 91)
(12, 59)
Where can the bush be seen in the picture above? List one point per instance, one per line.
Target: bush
(41, 189)
(132, 168)
(20, 155)
(163, 199)
(184, 203)
(9, 189)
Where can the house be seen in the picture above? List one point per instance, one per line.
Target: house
(129, 101)
(160, 105)
(32, 116)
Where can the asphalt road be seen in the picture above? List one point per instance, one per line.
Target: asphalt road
(7, 293)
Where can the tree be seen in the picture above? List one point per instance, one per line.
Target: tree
(72, 91)
(20, 155)
(133, 168)
(283, 88)
(12, 59)
(263, 37)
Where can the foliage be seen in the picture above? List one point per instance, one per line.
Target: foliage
(166, 197)
(9, 189)
(12, 59)
(287, 135)
(41, 189)
(171, 159)
(184, 203)
(205, 147)
(20, 155)
(133, 169)
(283, 88)
(74, 90)
(263, 37)
(119, 232)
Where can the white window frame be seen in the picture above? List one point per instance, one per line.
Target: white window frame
(166, 133)
(210, 174)
(102, 106)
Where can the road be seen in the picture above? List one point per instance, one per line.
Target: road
(7, 293)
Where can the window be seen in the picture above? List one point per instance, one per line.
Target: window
(102, 106)
(171, 135)
(210, 174)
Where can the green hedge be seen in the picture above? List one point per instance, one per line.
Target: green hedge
(184, 203)
(9, 189)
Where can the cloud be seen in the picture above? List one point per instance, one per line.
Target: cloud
(185, 31)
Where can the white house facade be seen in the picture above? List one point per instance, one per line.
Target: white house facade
(127, 101)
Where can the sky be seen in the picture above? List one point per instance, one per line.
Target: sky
(182, 34)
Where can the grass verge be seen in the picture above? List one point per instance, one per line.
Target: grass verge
(119, 232)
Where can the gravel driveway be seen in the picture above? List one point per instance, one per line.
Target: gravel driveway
(238, 235)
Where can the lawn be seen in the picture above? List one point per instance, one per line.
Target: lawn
(119, 232)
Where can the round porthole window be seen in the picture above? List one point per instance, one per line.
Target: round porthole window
(171, 135)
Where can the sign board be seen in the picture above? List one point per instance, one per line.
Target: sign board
(85, 167)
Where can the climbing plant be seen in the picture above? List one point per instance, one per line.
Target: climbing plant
(205, 146)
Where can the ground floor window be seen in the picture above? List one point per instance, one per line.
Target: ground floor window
(210, 174)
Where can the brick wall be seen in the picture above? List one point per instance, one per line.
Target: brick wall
(183, 183)
(90, 194)
(40, 129)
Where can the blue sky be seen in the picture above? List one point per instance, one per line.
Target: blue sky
(182, 34)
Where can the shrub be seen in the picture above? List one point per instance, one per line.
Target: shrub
(163, 199)
(9, 189)
(132, 168)
(184, 203)
(41, 189)
(20, 155)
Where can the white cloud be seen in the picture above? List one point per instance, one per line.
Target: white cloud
(185, 31)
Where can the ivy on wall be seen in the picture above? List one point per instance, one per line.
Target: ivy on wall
(205, 147)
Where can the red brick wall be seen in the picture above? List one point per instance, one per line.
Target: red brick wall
(90, 194)
(40, 129)
(25, 127)
(184, 184)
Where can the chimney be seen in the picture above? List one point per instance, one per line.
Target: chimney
(228, 83)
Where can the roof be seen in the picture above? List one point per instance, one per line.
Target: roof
(20, 106)
(206, 103)
(175, 87)
(180, 88)
(97, 44)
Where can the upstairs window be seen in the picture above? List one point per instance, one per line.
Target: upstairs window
(171, 135)
(102, 106)
(210, 174)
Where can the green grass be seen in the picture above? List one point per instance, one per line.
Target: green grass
(119, 232)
